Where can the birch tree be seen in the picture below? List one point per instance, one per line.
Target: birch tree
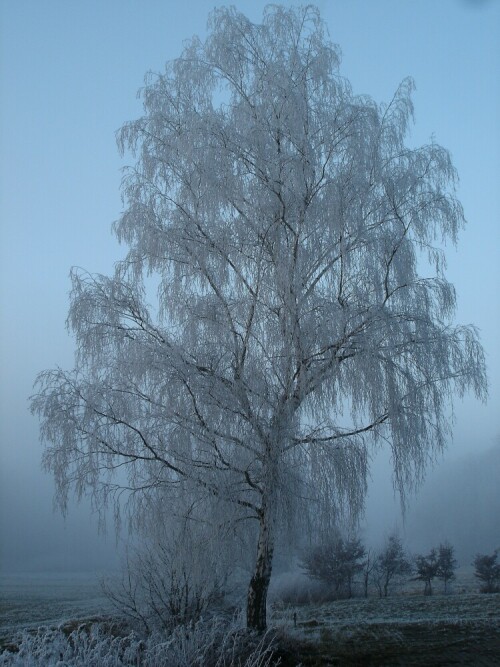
(302, 312)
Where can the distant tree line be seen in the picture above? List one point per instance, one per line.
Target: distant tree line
(348, 567)
(178, 576)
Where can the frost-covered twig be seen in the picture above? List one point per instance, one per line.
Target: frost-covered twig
(213, 643)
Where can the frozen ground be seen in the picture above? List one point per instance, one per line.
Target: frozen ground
(32, 600)
(406, 629)
(460, 629)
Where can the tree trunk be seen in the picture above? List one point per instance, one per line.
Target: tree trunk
(259, 583)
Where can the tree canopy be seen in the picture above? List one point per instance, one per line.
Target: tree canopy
(291, 230)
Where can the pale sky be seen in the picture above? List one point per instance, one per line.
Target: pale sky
(69, 75)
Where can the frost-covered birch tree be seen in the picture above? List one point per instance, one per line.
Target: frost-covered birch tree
(302, 312)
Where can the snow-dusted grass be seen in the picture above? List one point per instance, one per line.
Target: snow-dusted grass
(460, 628)
(400, 630)
(215, 643)
(392, 610)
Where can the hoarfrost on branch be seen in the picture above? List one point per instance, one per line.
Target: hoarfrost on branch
(287, 224)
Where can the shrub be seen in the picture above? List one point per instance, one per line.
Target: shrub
(336, 564)
(170, 581)
(488, 571)
(214, 643)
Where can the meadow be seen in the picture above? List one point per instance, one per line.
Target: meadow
(407, 629)
(457, 629)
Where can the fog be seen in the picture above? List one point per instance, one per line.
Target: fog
(459, 502)
(68, 81)
(35, 538)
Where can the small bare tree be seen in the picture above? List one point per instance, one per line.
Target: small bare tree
(391, 563)
(172, 579)
(353, 555)
(427, 568)
(369, 565)
(446, 564)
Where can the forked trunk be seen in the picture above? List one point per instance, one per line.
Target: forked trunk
(259, 583)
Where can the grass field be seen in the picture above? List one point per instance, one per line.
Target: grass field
(406, 629)
(460, 629)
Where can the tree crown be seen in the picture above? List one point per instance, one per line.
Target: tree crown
(285, 218)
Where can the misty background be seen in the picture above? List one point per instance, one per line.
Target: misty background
(69, 74)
